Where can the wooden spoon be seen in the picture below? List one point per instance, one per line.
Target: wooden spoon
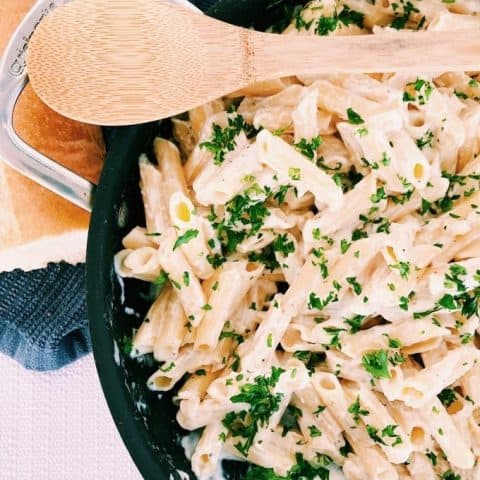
(119, 62)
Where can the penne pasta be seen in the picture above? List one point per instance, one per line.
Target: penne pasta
(313, 245)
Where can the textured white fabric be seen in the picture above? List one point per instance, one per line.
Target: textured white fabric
(57, 426)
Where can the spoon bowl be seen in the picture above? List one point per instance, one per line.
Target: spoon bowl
(118, 62)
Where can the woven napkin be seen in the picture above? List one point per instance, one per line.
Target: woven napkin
(43, 314)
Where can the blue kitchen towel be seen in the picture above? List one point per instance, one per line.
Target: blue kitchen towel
(43, 314)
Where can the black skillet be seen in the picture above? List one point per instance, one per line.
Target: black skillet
(146, 423)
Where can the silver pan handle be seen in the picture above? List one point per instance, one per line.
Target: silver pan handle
(13, 150)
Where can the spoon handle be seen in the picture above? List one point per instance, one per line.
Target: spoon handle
(277, 56)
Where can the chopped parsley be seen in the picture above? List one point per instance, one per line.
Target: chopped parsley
(358, 234)
(356, 411)
(353, 117)
(167, 368)
(347, 180)
(185, 238)
(321, 164)
(449, 475)
(432, 457)
(346, 449)
(321, 261)
(376, 363)
(403, 268)
(383, 226)
(466, 338)
(449, 302)
(426, 140)
(244, 217)
(297, 17)
(418, 91)
(294, 173)
(317, 303)
(161, 280)
(373, 434)
(378, 196)
(394, 342)
(355, 323)
(262, 404)
(389, 431)
(310, 359)
(397, 359)
(446, 203)
(283, 245)
(404, 302)
(216, 261)
(461, 95)
(453, 280)
(447, 396)
(351, 17)
(309, 148)
(334, 332)
(326, 25)
(289, 420)
(314, 431)
(259, 473)
(266, 257)
(282, 193)
(319, 410)
(425, 208)
(317, 235)
(357, 288)
(301, 471)
(236, 361)
(344, 245)
(402, 198)
(224, 140)
(233, 335)
(403, 17)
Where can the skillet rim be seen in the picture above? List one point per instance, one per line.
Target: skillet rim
(127, 143)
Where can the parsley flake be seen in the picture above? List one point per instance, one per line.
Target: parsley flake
(353, 117)
(355, 410)
(185, 238)
(376, 363)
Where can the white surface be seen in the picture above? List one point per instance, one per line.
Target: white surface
(57, 426)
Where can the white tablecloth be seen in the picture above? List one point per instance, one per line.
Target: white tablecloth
(56, 426)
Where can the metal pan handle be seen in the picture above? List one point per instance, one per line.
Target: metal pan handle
(13, 150)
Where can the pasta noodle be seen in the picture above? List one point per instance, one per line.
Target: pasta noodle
(315, 241)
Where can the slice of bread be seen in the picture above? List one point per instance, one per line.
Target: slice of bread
(37, 226)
